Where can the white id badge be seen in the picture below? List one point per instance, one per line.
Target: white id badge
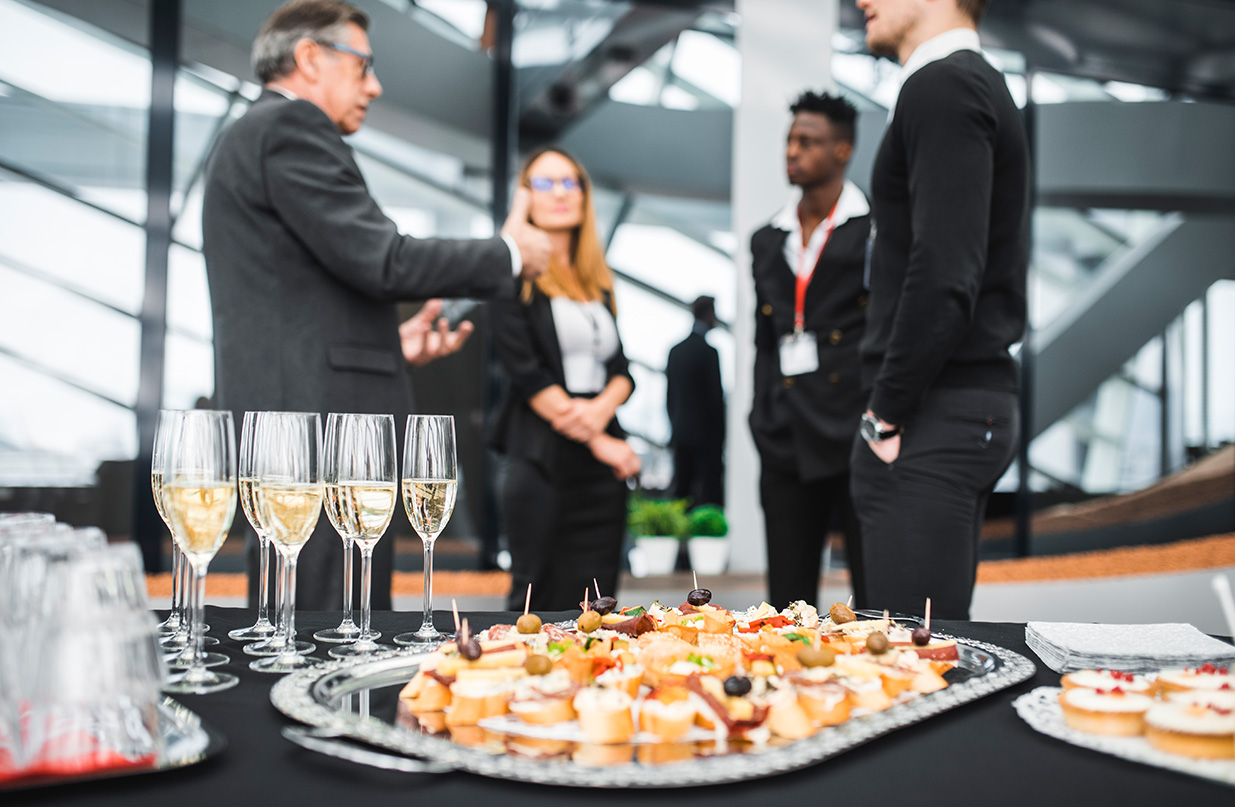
(799, 354)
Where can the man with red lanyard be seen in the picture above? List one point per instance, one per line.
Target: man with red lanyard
(808, 265)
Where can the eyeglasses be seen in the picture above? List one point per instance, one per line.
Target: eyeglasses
(569, 184)
(366, 59)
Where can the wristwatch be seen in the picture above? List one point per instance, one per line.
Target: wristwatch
(873, 431)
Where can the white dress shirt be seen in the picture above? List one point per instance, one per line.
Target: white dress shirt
(851, 204)
(587, 336)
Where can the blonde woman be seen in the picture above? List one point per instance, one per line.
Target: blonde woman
(564, 502)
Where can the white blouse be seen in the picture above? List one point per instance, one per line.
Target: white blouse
(587, 336)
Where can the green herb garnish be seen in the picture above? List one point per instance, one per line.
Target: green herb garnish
(556, 649)
(634, 610)
(587, 645)
(797, 637)
(698, 660)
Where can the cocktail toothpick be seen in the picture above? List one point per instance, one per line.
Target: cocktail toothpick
(594, 583)
(695, 577)
(585, 605)
(454, 609)
(850, 603)
(928, 613)
(464, 633)
(527, 601)
(885, 614)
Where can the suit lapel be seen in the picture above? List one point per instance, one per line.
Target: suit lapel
(541, 316)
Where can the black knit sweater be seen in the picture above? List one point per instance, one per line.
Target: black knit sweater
(950, 192)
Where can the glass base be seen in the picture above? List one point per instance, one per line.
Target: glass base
(366, 648)
(201, 682)
(283, 663)
(168, 626)
(259, 630)
(184, 661)
(172, 644)
(421, 638)
(267, 649)
(347, 632)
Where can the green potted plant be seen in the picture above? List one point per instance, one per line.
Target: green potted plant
(657, 525)
(708, 544)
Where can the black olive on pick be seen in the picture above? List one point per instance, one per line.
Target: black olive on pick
(737, 686)
(921, 636)
(700, 596)
(604, 605)
(470, 649)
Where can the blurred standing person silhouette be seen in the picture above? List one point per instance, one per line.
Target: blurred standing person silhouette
(807, 264)
(696, 403)
(951, 193)
(564, 502)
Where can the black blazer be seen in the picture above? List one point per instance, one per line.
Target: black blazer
(527, 345)
(693, 393)
(805, 424)
(304, 270)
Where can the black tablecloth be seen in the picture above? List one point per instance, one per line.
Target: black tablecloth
(979, 754)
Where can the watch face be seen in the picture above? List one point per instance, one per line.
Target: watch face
(867, 430)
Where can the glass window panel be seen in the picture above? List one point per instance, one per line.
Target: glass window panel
(188, 226)
(188, 371)
(649, 325)
(681, 266)
(199, 106)
(645, 413)
(188, 294)
(419, 208)
(47, 415)
(86, 342)
(104, 257)
(710, 64)
(77, 110)
(1221, 300)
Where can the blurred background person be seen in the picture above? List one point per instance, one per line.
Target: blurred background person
(305, 269)
(807, 264)
(564, 502)
(696, 403)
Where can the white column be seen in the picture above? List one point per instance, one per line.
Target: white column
(786, 47)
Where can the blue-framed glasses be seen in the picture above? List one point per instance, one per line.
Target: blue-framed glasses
(366, 59)
(569, 184)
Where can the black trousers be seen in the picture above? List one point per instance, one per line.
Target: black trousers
(563, 528)
(921, 515)
(797, 517)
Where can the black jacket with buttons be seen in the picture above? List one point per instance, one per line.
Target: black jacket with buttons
(806, 423)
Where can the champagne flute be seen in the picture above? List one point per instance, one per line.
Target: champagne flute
(287, 465)
(347, 630)
(261, 629)
(361, 483)
(199, 493)
(430, 483)
(163, 427)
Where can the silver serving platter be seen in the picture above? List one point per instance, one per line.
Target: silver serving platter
(186, 741)
(325, 695)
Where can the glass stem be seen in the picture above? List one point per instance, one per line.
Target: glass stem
(177, 591)
(366, 591)
(289, 603)
(427, 624)
(199, 614)
(347, 580)
(263, 585)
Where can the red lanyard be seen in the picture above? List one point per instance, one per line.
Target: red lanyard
(804, 277)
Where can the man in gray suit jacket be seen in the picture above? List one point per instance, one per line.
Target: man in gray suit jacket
(305, 269)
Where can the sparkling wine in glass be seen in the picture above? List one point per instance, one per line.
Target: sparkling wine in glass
(158, 455)
(430, 483)
(361, 483)
(261, 629)
(199, 495)
(287, 464)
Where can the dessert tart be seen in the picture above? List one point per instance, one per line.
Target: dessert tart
(1108, 679)
(1207, 677)
(1098, 711)
(1195, 724)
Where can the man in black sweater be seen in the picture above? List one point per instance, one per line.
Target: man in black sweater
(950, 191)
(696, 404)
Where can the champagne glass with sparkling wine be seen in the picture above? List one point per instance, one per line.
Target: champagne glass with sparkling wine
(158, 456)
(261, 629)
(288, 469)
(362, 486)
(199, 494)
(430, 481)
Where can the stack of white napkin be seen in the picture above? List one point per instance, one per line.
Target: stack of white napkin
(1069, 646)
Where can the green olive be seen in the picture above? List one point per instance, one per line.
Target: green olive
(841, 613)
(589, 621)
(538, 665)
(822, 657)
(877, 643)
(528, 623)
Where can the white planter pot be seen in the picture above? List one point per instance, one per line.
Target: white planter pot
(655, 554)
(708, 555)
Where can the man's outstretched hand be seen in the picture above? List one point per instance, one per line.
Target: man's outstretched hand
(533, 244)
(427, 336)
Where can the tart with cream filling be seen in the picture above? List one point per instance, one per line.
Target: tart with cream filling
(1194, 724)
(1112, 712)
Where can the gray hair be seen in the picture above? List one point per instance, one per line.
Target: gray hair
(274, 49)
